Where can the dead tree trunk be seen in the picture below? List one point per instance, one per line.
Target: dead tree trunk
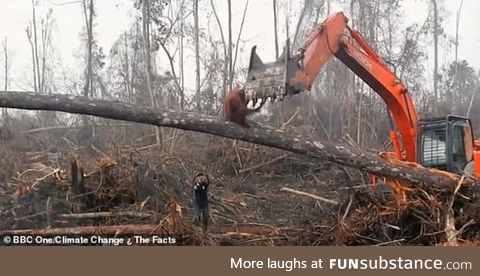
(230, 46)
(415, 177)
(435, 57)
(6, 77)
(35, 43)
(197, 56)
(148, 61)
(225, 52)
(275, 27)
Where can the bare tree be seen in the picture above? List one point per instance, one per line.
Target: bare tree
(457, 25)
(46, 27)
(29, 31)
(35, 44)
(436, 31)
(163, 39)
(128, 88)
(197, 55)
(230, 46)
(88, 10)
(40, 40)
(181, 59)
(238, 39)
(148, 59)
(225, 51)
(275, 27)
(6, 67)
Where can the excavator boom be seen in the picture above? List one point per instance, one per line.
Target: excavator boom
(292, 75)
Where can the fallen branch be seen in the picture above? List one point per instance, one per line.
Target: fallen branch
(104, 215)
(54, 128)
(450, 229)
(316, 197)
(54, 173)
(86, 215)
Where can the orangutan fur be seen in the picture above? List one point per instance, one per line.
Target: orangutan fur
(235, 107)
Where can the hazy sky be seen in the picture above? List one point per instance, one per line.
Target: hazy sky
(115, 15)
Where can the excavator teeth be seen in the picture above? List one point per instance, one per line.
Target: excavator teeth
(273, 92)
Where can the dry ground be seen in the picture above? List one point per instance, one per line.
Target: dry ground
(247, 205)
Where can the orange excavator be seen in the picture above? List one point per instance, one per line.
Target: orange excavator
(444, 143)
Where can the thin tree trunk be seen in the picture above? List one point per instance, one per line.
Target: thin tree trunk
(197, 56)
(474, 93)
(172, 68)
(457, 24)
(90, 47)
(435, 58)
(225, 52)
(28, 30)
(148, 60)
(88, 13)
(359, 118)
(35, 43)
(275, 30)
(180, 60)
(46, 46)
(5, 51)
(238, 38)
(456, 84)
(230, 49)
(127, 70)
(134, 72)
(45, 43)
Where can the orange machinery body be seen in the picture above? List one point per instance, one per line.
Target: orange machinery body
(476, 158)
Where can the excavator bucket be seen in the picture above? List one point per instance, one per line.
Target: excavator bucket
(292, 75)
(272, 80)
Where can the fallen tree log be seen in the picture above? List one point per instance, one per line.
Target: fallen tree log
(127, 214)
(415, 177)
(316, 197)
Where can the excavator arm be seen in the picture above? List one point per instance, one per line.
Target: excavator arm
(292, 75)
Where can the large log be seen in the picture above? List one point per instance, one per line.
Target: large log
(343, 155)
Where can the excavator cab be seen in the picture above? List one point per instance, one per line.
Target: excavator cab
(446, 143)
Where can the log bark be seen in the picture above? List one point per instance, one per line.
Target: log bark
(415, 177)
